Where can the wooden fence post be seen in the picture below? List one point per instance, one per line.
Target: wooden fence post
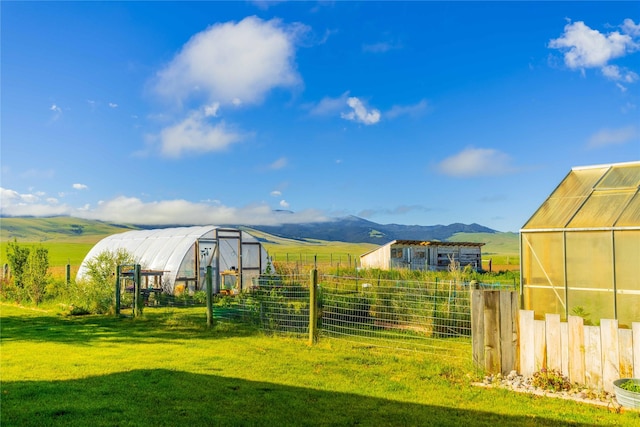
(527, 342)
(313, 306)
(494, 330)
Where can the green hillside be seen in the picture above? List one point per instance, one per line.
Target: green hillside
(57, 229)
(495, 243)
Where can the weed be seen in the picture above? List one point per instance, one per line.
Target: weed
(551, 379)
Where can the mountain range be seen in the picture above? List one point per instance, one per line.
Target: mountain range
(349, 229)
(353, 229)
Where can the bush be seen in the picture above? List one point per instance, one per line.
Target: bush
(551, 379)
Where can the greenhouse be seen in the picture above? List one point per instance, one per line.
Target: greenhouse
(181, 255)
(580, 251)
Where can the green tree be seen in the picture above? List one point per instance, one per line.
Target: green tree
(96, 293)
(36, 277)
(18, 256)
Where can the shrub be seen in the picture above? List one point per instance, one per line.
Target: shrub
(551, 379)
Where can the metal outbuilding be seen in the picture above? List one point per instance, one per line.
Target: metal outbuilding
(182, 254)
(580, 251)
(423, 255)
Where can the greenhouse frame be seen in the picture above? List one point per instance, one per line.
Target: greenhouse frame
(580, 251)
(181, 255)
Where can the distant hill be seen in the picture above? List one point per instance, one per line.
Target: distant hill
(357, 230)
(349, 229)
(60, 229)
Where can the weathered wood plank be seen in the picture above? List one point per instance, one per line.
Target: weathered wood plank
(625, 337)
(554, 342)
(564, 338)
(492, 360)
(610, 353)
(526, 344)
(508, 331)
(477, 327)
(592, 357)
(576, 349)
(540, 347)
(635, 327)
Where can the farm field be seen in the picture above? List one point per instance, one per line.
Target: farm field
(166, 368)
(68, 240)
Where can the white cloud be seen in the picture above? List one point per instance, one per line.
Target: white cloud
(608, 137)
(195, 134)
(631, 28)
(584, 48)
(113, 105)
(278, 164)
(80, 187)
(407, 110)
(329, 106)
(284, 204)
(233, 63)
(360, 113)
(13, 203)
(57, 112)
(380, 47)
(276, 193)
(212, 110)
(132, 210)
(182, 212)
(476, 162)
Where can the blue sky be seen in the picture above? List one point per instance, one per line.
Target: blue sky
(231, 112)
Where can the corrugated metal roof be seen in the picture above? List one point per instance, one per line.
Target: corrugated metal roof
(433, 243)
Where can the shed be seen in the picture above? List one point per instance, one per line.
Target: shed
(580, 251)
(182, 254)
(423, 255)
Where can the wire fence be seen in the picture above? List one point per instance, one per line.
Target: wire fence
(432, 317)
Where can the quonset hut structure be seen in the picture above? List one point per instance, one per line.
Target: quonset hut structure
(181, 255)
(580, 251)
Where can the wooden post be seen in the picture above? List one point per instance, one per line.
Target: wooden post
(527, 342)
(610, 353)
(313, 306)
(68, 273)
(209, 280)
(576, 349)
(136, 292)
(508, 330)
(554, 342)
(117, 309)
(494, 332)
(593, 357)
(477, 324)
(635, 328)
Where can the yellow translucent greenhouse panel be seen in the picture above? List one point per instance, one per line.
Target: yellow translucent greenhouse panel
(628, 310)
(592, 305)
(543, 272)
(621, 176)
(589, 256)
(631, 215)
(627, 245)
(558, 209)
(602, 209)
(543, 301)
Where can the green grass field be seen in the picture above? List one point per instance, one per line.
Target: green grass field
(167, 369)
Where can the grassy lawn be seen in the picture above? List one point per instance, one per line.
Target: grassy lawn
(166, 368)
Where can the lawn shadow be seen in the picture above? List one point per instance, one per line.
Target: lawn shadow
(155, 325)
(161, 397)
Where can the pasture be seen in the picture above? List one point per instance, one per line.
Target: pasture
(167, 368)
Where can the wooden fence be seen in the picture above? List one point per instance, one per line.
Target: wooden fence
(505, 338)
(591, 355)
